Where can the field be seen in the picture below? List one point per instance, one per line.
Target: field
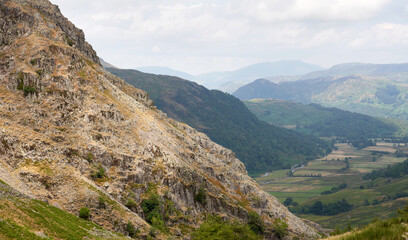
(308, 182)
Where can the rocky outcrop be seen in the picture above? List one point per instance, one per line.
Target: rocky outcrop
(73, 135)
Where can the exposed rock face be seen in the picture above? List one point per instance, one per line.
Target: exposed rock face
(73, 135)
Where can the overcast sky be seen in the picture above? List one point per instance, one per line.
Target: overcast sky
(198, 36)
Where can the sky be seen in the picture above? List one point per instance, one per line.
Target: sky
(197, 36)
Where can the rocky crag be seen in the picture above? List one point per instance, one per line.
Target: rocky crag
(74, 136)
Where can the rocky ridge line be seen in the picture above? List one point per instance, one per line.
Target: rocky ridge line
(64, 120)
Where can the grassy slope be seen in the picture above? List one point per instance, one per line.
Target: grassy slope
(227, 121)
(22, 218)
(319, 120)
(395, 228)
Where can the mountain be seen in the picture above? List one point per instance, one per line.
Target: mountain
(381, 92)
(230, 81)
(299, 91)
(75, 137)
(227, 121)
(166, 71)
(320, 121)
(106, 64)
(365, 69)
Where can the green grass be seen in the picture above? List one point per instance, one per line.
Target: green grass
(10, 230)
(273, 175)
(307, 190)
(353, 196)
(21, 218)
(395, 228)
(399, 185)
(357, 217)
(300, 197)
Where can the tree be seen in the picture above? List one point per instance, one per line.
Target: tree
(288, 201)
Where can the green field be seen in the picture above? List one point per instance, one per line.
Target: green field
(307, 190)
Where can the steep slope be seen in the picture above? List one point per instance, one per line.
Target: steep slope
(25, 218)
(227, 121)
(74, 136)
(225, 80)
(318, 120)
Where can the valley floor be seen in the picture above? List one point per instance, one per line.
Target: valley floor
(370, 199)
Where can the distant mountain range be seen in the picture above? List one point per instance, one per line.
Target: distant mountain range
(227, 121)
(373, 89)
(229, 81)
(232, 80)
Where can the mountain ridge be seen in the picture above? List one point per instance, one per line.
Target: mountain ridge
(75, 136)
(228, 80)
(374, 89)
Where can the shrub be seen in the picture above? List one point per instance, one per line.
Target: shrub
(130, 203)
(20, 76)
(200, 196)
(214, 228)
(101, 202)
(85, 213)
(29, 90)
(20, 85)
(70, 42)
(280, 228)
(130, 228)
(151, 208)
(39, 72)
(99, 173)
(255, 223)
(89, 157)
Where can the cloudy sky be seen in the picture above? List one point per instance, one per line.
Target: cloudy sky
(198, 36)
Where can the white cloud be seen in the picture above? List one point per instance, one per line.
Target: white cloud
(383, 35)
(298, 10)
(156, 49)
(140, 32)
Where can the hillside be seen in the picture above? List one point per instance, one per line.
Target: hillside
(384, 95)
(320, 121)
(392, 228)
(230, 81)
(76, 137)
(227, 121)
(25, 218)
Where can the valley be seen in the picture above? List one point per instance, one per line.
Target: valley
(92, 151)
(370, 199)
(227, 121)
